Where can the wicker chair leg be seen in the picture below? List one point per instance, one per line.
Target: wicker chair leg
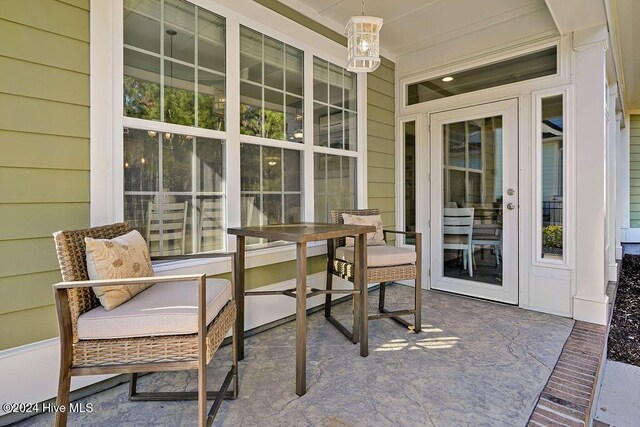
(64, 388)
(381, 298)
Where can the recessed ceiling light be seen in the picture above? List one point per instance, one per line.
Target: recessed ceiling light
(447, 79)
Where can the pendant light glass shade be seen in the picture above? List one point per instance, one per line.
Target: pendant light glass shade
(363, 43)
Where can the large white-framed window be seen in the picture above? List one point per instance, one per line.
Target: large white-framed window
(283, 185)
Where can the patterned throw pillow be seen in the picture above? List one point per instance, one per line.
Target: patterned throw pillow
(124, 257)
(373, 239)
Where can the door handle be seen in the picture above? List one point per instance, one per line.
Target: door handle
(511, 206)
(511, 192)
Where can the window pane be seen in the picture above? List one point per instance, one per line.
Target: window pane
(336, 84)
(211, 100)
(334, 184)
(179, 94)
(455, 137)
(250, 55)
(294, 62)
(292, 208)
(141, 85)
(292, 172)
(552, 177)
(320, 80)
(250, 109)
(350, 131)
(210, 164)
(179, 26)
(211, 224)
(177, 151)
(273, 63)
(474, 129)
(336, 128)
(141, 163)
(266, 110)
(175, 69)
(350, 93)
(410, 179)
(295, 118)
(271, 169)
(321, 124)
(273, 114)
(271, 186)
(525, 67)
(273, 208)
(175, 216)
(211, 41)
(142, 24)
(334, 118)
(250, 167)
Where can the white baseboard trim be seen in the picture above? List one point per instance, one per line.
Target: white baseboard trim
(618, 252)
(588, 310)
(30, 372)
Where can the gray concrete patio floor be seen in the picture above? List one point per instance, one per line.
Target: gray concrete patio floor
(475, 363)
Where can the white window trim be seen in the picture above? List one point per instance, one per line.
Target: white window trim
(568, 158)
(401, 176)
(562, 76)
(107, 118)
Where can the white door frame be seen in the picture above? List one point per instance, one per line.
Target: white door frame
(509, 290)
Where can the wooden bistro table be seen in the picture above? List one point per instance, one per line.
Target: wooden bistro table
(301, 234)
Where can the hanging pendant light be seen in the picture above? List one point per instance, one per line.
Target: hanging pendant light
(363, 43)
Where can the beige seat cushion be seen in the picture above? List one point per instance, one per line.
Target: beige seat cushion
(380, 256)
(123, 257)
(374, 238)
(163, 309)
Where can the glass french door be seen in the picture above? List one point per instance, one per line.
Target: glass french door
(474, 201)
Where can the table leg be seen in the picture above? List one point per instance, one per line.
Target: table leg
(301, 319)
(239, 296)
(361, 277)
(357, 315)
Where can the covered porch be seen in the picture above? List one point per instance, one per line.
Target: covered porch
(475, 362)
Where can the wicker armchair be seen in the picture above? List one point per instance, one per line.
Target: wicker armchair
(74, 297)
(375, 274)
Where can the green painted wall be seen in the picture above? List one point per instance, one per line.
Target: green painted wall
(44, 165)
(635, 170)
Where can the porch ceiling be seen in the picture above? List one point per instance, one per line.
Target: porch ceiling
(413, 25)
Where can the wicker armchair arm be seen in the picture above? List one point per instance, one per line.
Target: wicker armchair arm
(128, 281)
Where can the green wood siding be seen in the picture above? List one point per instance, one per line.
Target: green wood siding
(44, 166)
(381, 142)
(634, 161)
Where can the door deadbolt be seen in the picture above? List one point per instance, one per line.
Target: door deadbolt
(511, 192)
(511, 206)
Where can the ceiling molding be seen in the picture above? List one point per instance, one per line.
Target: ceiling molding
(480, 25)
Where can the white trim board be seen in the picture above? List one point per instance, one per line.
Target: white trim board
(30, 372)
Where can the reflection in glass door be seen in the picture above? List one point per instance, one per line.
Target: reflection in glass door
(472, 198)
(474, 213)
